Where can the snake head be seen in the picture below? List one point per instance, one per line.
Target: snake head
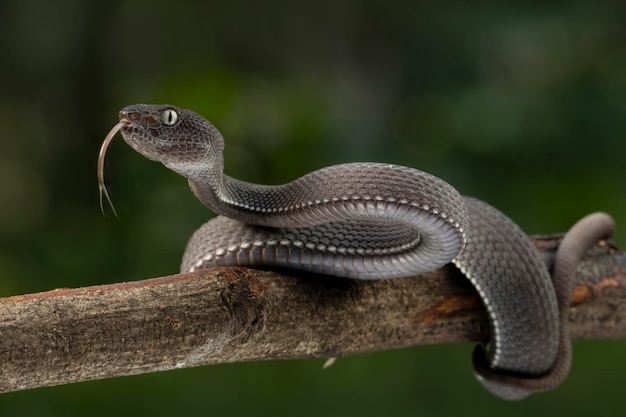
(179, 138)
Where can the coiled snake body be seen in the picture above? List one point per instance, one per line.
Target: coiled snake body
(375, 221)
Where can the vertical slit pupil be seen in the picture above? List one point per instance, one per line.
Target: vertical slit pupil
(169, 117)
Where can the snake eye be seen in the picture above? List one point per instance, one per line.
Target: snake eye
(169, 117)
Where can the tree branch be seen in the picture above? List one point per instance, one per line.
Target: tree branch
(237, 314)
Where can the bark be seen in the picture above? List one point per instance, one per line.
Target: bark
(237, 314)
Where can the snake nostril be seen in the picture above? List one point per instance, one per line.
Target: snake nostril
(129, 115)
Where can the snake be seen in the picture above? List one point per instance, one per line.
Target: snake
(371, 221)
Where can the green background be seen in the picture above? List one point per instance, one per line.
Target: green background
(521, 104)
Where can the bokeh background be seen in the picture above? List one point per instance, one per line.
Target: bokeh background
(522, 104)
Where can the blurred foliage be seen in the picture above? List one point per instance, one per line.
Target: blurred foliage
(522, 104)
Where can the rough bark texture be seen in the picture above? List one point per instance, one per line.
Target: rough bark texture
(238, 314)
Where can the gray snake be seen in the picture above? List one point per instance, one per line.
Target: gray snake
(376, 221)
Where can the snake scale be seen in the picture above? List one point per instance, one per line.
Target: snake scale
(377, 221)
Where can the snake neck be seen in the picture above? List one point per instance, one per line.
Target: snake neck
(247, 202)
